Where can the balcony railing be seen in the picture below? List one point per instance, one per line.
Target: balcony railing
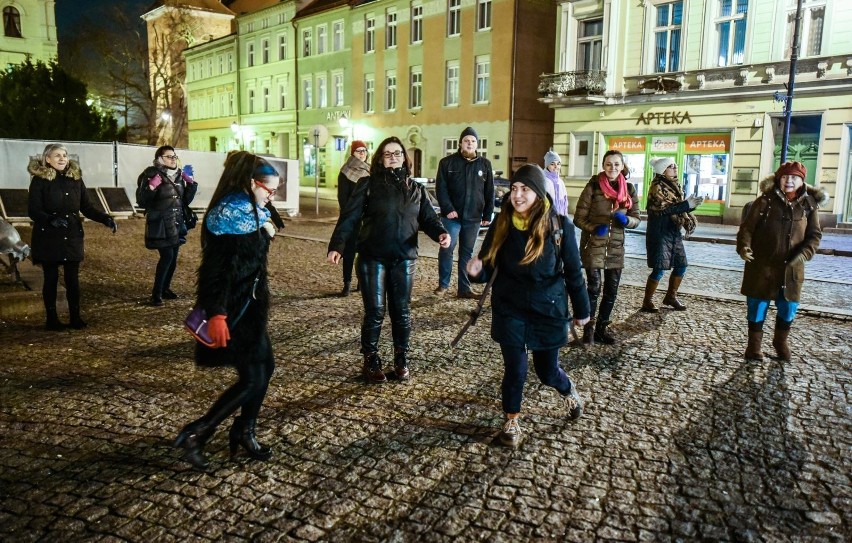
(590, 83)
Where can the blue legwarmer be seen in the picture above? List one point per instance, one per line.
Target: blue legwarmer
(657, 273)
(757, 308)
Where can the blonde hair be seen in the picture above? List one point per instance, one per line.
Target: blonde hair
(50, 148)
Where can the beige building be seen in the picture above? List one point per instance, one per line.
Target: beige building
(698, 81)
(29, 31)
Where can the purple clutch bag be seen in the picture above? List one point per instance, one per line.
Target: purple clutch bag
(196, 324)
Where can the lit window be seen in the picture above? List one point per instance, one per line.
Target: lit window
(337, 82)
(307, 93)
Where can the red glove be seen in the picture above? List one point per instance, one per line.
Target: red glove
(155, 182)
(218, 329)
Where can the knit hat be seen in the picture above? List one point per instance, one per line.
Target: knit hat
(532, 176)
(550, 157)
(469, 131)
(660, 164)
(791, 168)
(357, 144)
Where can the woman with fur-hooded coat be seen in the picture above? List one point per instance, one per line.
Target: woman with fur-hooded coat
(779, 234)
(57, 196)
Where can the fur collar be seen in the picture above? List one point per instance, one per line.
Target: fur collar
(45, 171)
(769, 186)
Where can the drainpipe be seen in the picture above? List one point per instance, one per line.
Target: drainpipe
(511, 147)
(788, 102)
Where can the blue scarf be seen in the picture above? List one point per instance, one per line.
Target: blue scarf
(234, 214)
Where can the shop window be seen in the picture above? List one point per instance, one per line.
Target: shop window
(667, 37)
(731, 31)
(590, 45)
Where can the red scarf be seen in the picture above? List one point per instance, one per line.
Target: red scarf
(621, 198)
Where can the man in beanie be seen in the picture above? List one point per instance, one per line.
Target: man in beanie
(779, 234)
(555, 186)
(353, 169)
(465, 188)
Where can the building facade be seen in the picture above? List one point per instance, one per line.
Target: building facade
(703, 81)
(29, 31)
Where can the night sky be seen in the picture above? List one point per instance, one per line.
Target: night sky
(69, 13)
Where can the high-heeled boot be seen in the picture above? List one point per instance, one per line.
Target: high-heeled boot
(242, 433)
(191, 439)
(52, 322)
(77, 322)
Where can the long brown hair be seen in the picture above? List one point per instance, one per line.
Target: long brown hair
(539, 227)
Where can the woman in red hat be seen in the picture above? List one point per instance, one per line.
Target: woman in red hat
(353, 169)
(779, 234)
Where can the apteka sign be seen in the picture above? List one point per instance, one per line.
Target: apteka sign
(669, 117)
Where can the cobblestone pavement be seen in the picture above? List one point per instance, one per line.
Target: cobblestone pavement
(681, 439)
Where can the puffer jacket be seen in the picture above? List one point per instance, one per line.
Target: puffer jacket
(390, 212)
(164, 220)
(777, 231)
(466, 187)
(593, 209)
(55, 194)
(663, 240)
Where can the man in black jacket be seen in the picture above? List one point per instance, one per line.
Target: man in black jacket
(465, 189)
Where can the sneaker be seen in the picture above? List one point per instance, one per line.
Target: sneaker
(573, 403)
(511, 433)
(440, 291)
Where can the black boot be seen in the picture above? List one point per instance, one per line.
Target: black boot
(156, 297)
(589, 333)
(346, 289)
(52, 322)
(191, 439)
(400, 365)
(602, 335)
(242, 433)
(76, 321)
(169, 294)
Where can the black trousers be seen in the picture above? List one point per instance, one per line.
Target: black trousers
(71, 273)
(165, 269)
(382, 281)
(612, 277)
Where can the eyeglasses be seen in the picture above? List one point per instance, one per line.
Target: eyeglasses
(361, 150)
(170, 157)
(268, 190)
(395, 154)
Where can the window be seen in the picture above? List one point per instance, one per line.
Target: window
(250, 55)
(337, 36)
(416, 24)
(590, 45)
(265, 99)
(221, 64)
(307, 38)
(321, 39)
(251, 101)
(337, 89)
(230, 62)
(322, 91)
(453, 17)
(390, 90)
(307, 93)
(390, 29)
(482, 81)
(730, 31)
(210, 66)
(369, 93)
(451, 94)
(230, 103)
(415, 94)
(667, 35)
(810, 29)
(482, 147)
(264, 51)
(483, 14)
(451, 145)
(282, 96)
(250, 27)
(370, 35)
(282, 47)
(11, 22)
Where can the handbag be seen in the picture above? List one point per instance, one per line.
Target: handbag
(197, 325)
(190, 217)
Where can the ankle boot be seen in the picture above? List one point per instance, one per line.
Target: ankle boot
(52, 322)
(648, 303)
(346, 289)
(400, 365)
(779, 340)
(76, 321)
(373, 369)
(602, 335)
(671, 296)
(357, 286)
(191, 439)
(242, 433)
(589, 333)
(755, 338)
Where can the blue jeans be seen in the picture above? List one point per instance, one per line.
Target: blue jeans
(515, 365)
(464, 234)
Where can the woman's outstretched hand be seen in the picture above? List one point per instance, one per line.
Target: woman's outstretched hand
(333, 257)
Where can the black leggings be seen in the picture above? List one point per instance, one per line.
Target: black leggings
(381, 281)
(71, 273)
(165, 268)
(612, 277)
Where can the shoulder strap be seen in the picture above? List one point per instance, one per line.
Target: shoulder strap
(557, 233)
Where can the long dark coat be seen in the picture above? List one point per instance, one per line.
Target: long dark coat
(777, 231)
(230, 263)
(663, 240)
(593, 209)
(59, 194)
(164, 221)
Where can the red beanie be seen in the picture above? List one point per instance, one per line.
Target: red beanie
(791, 168)
(357, 144)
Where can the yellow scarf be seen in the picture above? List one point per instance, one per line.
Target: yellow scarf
(521, 223)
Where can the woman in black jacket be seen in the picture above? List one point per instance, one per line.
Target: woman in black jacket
(533, 253)
(234, 293)
(57, 196)
(355, 168)
(165, 191)
(390, 208)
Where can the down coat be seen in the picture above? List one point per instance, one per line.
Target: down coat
(777, 231)
(663, 240)
(59, 194)
(593, 209)
(164, 220)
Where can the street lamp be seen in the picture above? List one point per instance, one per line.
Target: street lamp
(166, 115)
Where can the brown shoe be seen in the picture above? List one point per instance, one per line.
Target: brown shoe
(400, 365)
(779, 341)
(511, 434)
(671, 295)
(440, 291)
(373, 369)
(469, 295)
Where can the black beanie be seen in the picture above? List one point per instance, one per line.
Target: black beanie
(469, 131)
(532, 176)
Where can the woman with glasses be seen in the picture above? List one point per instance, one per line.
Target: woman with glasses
(233, 290)
(390, 208)
(354, 169)
(164, 190)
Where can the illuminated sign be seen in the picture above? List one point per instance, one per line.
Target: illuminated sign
(668, 117)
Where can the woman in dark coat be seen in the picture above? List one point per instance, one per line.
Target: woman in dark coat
(668, 212)
(780, 233)
(164, 191)
(57, 197)
(606, 207)
(533, 253)
(390, 208)
(355, 168)
(234, 293)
